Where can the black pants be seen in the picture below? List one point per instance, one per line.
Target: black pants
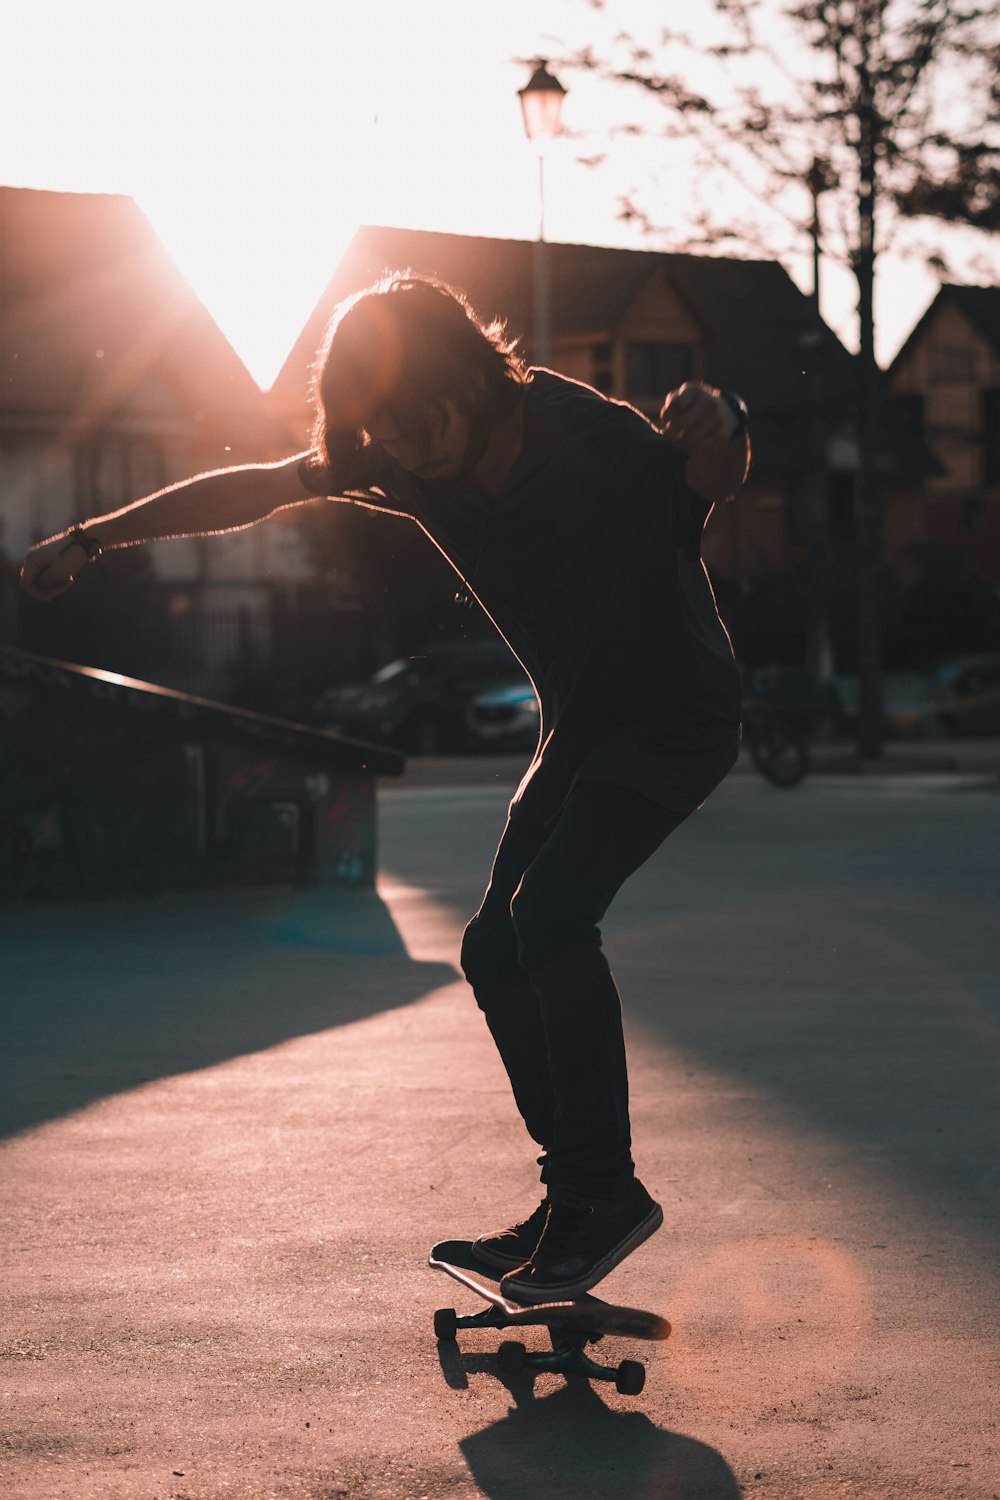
(532, 955)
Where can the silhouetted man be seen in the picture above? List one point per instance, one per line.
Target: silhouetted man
(576, 524)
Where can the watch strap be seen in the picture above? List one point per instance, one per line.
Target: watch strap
(77, 537)
(740, 411)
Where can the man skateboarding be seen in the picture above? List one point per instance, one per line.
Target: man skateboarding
(576, 524)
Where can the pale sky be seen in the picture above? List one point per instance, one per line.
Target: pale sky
(256, 136)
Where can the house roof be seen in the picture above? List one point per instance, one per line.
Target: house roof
(979, 304)
(756, 322)
(91, 306)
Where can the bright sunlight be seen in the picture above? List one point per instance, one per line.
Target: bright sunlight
(257, 139)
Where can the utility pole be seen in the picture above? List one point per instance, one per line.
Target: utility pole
(816, 493)
(868, 498)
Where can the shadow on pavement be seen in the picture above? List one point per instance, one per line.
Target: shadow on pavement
(571, 1443)
(866, 1028)
(101, 997)
(832, 956)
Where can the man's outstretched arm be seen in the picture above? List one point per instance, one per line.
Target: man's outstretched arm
(699, 421)
(220, 501)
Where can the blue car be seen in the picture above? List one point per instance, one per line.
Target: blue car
(445, 699)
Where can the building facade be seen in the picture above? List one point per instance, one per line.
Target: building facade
(116, 381)
(946, 377)
(635, 324)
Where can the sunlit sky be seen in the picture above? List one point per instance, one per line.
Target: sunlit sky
(257, 136)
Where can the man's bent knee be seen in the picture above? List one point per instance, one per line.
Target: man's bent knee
(489, 959)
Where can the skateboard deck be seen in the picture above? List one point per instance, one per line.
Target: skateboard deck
(572, 1324)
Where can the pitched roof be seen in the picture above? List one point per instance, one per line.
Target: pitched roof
(979, 304)
(91, 305)
(756, 322)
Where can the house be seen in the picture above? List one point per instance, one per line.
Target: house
(946, 377)
(633, 324)
(115, 381)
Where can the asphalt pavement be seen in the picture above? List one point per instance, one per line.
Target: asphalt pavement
(233, 1125)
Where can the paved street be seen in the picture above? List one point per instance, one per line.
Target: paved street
(233, 1127)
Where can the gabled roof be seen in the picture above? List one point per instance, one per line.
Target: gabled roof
(979, 304)
(92, 309)
(591, 286)
(756, 321)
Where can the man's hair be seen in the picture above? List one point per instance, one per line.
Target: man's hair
(399, 347)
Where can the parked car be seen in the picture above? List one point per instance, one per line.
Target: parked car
(958, 696)
(906, 704)
(795, 695)
(465, 696)
(964, 695)
(505, 716)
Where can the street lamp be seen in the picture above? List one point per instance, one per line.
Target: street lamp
(541, 104)
(820, 178)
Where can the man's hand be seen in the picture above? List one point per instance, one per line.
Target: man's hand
(695, 415)
(697, 420)
(51, 567)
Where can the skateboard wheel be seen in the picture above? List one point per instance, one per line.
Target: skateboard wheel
(630, 1377)
(511, 1357)
(445, 1324)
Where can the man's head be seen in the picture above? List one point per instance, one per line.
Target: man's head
(408, 366)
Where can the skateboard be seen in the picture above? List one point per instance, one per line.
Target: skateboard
(571, 1325)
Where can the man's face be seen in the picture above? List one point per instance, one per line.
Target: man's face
(435, 450)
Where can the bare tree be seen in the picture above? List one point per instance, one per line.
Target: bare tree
(887, 109)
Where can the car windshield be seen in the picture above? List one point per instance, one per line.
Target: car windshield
(393, 670)
(487, 661)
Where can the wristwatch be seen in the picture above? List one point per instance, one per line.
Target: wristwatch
(740, 411)
(77, 537)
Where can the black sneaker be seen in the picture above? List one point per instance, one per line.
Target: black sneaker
(510, 1248)
(584, 1239)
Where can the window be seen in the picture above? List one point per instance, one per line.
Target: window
(653, 369)
(973, 516)
(602, 367)
(951, 364)
(115, 468)
(842, 506)
(795, 519)
(991, 436)
(912, 410)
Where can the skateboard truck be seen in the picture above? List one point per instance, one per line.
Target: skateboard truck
(572, 1325)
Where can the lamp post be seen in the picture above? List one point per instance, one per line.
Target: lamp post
(541, 104)
(816, 497)
(819, 179)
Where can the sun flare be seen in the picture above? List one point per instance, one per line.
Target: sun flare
(259, 282)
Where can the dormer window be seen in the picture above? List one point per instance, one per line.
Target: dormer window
(602, 376)
(653, 368)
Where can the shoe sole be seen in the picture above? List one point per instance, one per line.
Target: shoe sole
(565, 1291)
